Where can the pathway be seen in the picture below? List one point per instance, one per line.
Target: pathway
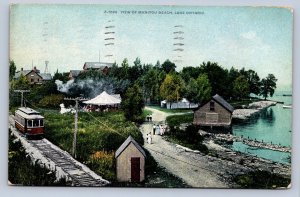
(192, 168)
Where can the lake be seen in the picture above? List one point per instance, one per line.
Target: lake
(272, 125)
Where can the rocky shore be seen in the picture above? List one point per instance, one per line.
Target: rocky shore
(251, 109)
(254, 143)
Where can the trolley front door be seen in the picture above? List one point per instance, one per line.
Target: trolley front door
(135, 169)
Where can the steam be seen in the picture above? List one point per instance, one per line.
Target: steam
(92, 87)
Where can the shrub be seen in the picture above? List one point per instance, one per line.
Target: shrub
(103, 163)
(261, 179)
(52, 101)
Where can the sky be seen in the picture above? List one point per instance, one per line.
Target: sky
(258, 38)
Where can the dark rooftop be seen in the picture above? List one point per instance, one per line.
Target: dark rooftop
(222, 102)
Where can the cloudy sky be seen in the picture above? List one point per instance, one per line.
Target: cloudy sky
(258, 38)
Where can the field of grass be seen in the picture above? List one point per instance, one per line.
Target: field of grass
(170, 110)
(99, 135)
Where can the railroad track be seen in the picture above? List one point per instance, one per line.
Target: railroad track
(79, 174)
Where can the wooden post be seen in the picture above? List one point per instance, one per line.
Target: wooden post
(76, 122)
(22, 95)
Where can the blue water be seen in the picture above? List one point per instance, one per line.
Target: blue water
(273, 125)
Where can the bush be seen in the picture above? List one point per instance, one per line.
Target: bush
(176, 120)
(103, 163)
(188, 137)
(261, 180)
(52, 101)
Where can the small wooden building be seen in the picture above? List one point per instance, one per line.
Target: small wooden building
(216, 112)
(130, 158)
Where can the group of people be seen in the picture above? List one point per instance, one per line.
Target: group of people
(159, 129)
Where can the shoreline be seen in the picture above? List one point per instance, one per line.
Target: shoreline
(252, 108)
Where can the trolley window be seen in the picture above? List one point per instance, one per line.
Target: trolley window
(35, 123)
(41, 122)
(29, 123)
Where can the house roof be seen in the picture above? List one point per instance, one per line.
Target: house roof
(222, 102)
(126, 143)
(96, 65)
(45, 76)
(75, 73)
(24, 72)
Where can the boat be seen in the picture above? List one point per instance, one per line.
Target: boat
(287, 106)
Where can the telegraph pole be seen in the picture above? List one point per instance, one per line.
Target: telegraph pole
(22, 95)
(76, 122)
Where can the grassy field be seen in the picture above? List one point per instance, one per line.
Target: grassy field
(99, 135)
(170, 110)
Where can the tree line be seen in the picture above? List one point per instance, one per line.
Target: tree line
(147, 83)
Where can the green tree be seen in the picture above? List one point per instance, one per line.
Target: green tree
(241, 87)
(254, 82)
(21, 83)
(190, 72)
(168, 66)
(12, 69)
(133, 104)
(151, 86)
(268, 86)
(218, 78)
(172, 88)
(198, 90)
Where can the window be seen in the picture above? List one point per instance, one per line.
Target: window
(31, 80)
(212, 106)
(41, 122)
(29, 123)
(35, 123)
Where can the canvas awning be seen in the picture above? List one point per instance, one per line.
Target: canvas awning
(103, 99)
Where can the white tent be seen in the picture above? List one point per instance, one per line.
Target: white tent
(103, 99)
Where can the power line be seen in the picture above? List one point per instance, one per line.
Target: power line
(76, 122)
(22, 95)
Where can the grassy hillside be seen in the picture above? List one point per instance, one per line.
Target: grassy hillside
(99, 135)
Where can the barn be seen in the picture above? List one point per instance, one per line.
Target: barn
(216, 112)
(130, 158)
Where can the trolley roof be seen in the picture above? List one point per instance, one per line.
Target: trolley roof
(29, 113)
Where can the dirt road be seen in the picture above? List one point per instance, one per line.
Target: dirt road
(195, 169)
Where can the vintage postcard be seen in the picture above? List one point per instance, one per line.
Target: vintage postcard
(150, 96)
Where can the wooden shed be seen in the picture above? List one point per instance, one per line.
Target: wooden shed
(216, 112)
(130, 158)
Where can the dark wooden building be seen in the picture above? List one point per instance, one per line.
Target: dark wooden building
(216, 112)
(34, 76)
(104, 67)
(130, 158)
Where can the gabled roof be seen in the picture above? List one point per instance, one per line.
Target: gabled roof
(75, 73)
(96, 65)
(24, 72)
(222, 102)
(45, 76)
(126, 143)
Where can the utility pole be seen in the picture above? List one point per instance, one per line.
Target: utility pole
(22, 95)
(76, 122)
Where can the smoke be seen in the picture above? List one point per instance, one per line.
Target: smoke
(92, 87)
